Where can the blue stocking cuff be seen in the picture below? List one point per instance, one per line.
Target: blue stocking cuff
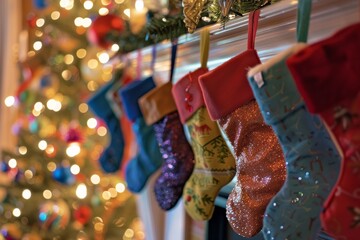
(131, 93)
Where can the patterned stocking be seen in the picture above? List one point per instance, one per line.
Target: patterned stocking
(214, 163)
(327, 74)
(312, 160)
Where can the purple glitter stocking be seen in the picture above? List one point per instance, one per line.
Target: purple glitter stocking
(159, 110)
(178, 160)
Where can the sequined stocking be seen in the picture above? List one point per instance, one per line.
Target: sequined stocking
(260, 168)
(214, 166)
(148, 159)
(260, 165)
(327, 75)
(159, 110)
(179, 160)
(312, 160)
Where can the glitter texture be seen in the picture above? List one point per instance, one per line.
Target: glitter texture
(178, 160)
(260, 168)
(214, 166)
(312, 160)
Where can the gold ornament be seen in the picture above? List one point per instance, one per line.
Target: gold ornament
(225, 6)
(192, 11)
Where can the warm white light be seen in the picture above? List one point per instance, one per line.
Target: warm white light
(92, 86)
(105, 2)
(50, 149)
(26, 194)
(139, 5)
(104, 57)
(119, 1)
(68, 59)
(42, 145)
(38, 106)
(54, 105)
(91, 123)
(78, 21)
(22, 150)
(106, 195)
(38, 33)
(83, 108)
(127, 12)
(75, 169)
(95, 179)
(86, 22)
(67, 4)
(129, 233)
(92, 63)
(50, 104)
(115, 47)
(51, 166)
(37, 45)
(113, 192)
(55, 15)
(9, 101)
(120, 187)
(40, 22)
(73, 149)
(81, 53)
(101, 131)
(57, 106)
(28, 174)
(88, 5)
(103, 11)
(12, 163)
(47, 194)
(35, 113)
(16, 212)
(66, 74)
(81, 191)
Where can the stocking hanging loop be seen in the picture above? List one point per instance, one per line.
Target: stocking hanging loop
(153, 58)
(204, 46)
(139, 64)
(174, 45)
(303, 20)
(253, 25)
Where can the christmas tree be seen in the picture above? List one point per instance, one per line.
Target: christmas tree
(52, 185)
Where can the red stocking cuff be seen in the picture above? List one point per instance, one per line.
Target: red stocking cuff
(327, 72)
(226, 87)
(187, 94)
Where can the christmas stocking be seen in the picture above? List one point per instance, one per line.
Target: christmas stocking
(159, 110)
(260, 165)
(214, 163)
(148, 158)
(312, 160)
(117, 106)
(327, 75)
(110, 159)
